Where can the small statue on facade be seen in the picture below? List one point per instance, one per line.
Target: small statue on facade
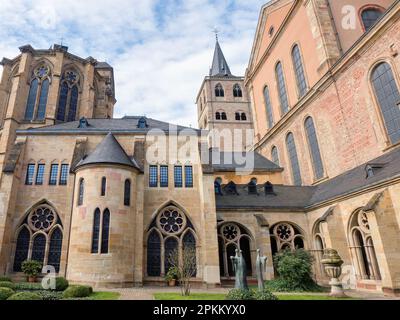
(261, 265)
(240, 268)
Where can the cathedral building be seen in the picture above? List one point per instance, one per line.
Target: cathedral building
(105, 201)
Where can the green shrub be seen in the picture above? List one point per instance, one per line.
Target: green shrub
(294, 269)
(5, 293)
(77, 292)
(7, 284)
(25, 296)
(49, 295)
(61, 284)
(31, 268)
(237, 294)
(26, 286)
(264, 295)
(5, 279)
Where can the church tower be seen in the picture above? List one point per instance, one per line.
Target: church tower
(223, 107)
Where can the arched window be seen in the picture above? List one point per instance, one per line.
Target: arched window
(69, 96)
(81, 191)
(319, 246)
(237, 116)
(243, 117)
(314, 148)
(362, 247)
(127, 193)
(232, 237)
(280, 79)
(223, 116)
(299, 71)
(252, 186)
(369, 16)
(268, 108)
(388, 98)
(237, 91)
(103, 186)
(168, 229)
(105, 231)
(286, 236)
(218, 186)
(219, 90)
(294, 160)
(38, 93)
(275, 156)
(218, 116)
(43, 229)
(96, 231)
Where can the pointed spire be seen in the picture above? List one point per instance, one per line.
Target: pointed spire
(219, 66)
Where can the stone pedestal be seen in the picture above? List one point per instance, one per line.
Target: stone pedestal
(333, 267)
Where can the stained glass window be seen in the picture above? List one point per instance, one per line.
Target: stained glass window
(299, 71)
(64, 174)
(314, 148)
(275, 156)
(105, 232)
(280, 78)
(189, 241)
(369, 17)
(62, 102)
(294, 161)
(164, 176)
(153, 176)
(171, 245)
(388, 97)
(188, 176)
(127, 193)
(96, 231)
(40, 174)
(55, 247)
(154, 254)
(268, 108)
(41, 112)
(30, 105)
(53, 175)
(178, 177)
(73, 104)
(30, 172)
(39, 247)
(22, 248)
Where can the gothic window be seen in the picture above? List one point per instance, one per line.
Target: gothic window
(164, 176)
(30, 172)
(275, 156)
(243, 117)
(286, 236)
(81, 191)
(223, 116)
(103, 186)
(64, 174)
(299, 71)
(268, 108)
(105, 232)
(362, 247)
(218, 116)
(237, 91)
(232, 237)
(178, 177)
(38, 93)
(153, 176)
(170, 228)
(53, 175)
(294, 160)
(188, 176)
(369, 16)
(69, 96)
(189, 242)
(219, 90)
(43, 229)
(96, 231)
(127, 193)
(319, 246)
(388, 98)
(280, 79)
(314, 148)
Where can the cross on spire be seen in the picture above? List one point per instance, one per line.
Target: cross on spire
(216, 31)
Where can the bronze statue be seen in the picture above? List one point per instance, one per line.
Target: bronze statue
(261, 264)
(240, 268)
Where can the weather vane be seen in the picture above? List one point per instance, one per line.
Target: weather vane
(216, 31)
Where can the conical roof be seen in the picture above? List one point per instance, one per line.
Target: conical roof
(109, 151)
(219, 65)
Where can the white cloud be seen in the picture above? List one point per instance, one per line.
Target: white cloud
(160, 50)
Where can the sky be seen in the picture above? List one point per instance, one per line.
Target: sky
(160, 49)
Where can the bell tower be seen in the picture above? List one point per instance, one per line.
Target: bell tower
(223, 107)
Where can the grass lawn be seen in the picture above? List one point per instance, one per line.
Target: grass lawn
(213, 297)
(104, 296)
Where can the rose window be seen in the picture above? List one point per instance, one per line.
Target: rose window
(284, 232)
(171, 221)
(230, 232)
(42, 218)
(363, 221)
(71, 77)
(42, 71)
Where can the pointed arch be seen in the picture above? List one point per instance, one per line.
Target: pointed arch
(70, 88)
(22, 247)
(219, 91)
(55, 248)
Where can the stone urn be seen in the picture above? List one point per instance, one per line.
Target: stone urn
(332, 263)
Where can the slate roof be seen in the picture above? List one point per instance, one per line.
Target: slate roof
(128, 124)
(232, 161)
(109, 151)
(219, 65)
(305, 197)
